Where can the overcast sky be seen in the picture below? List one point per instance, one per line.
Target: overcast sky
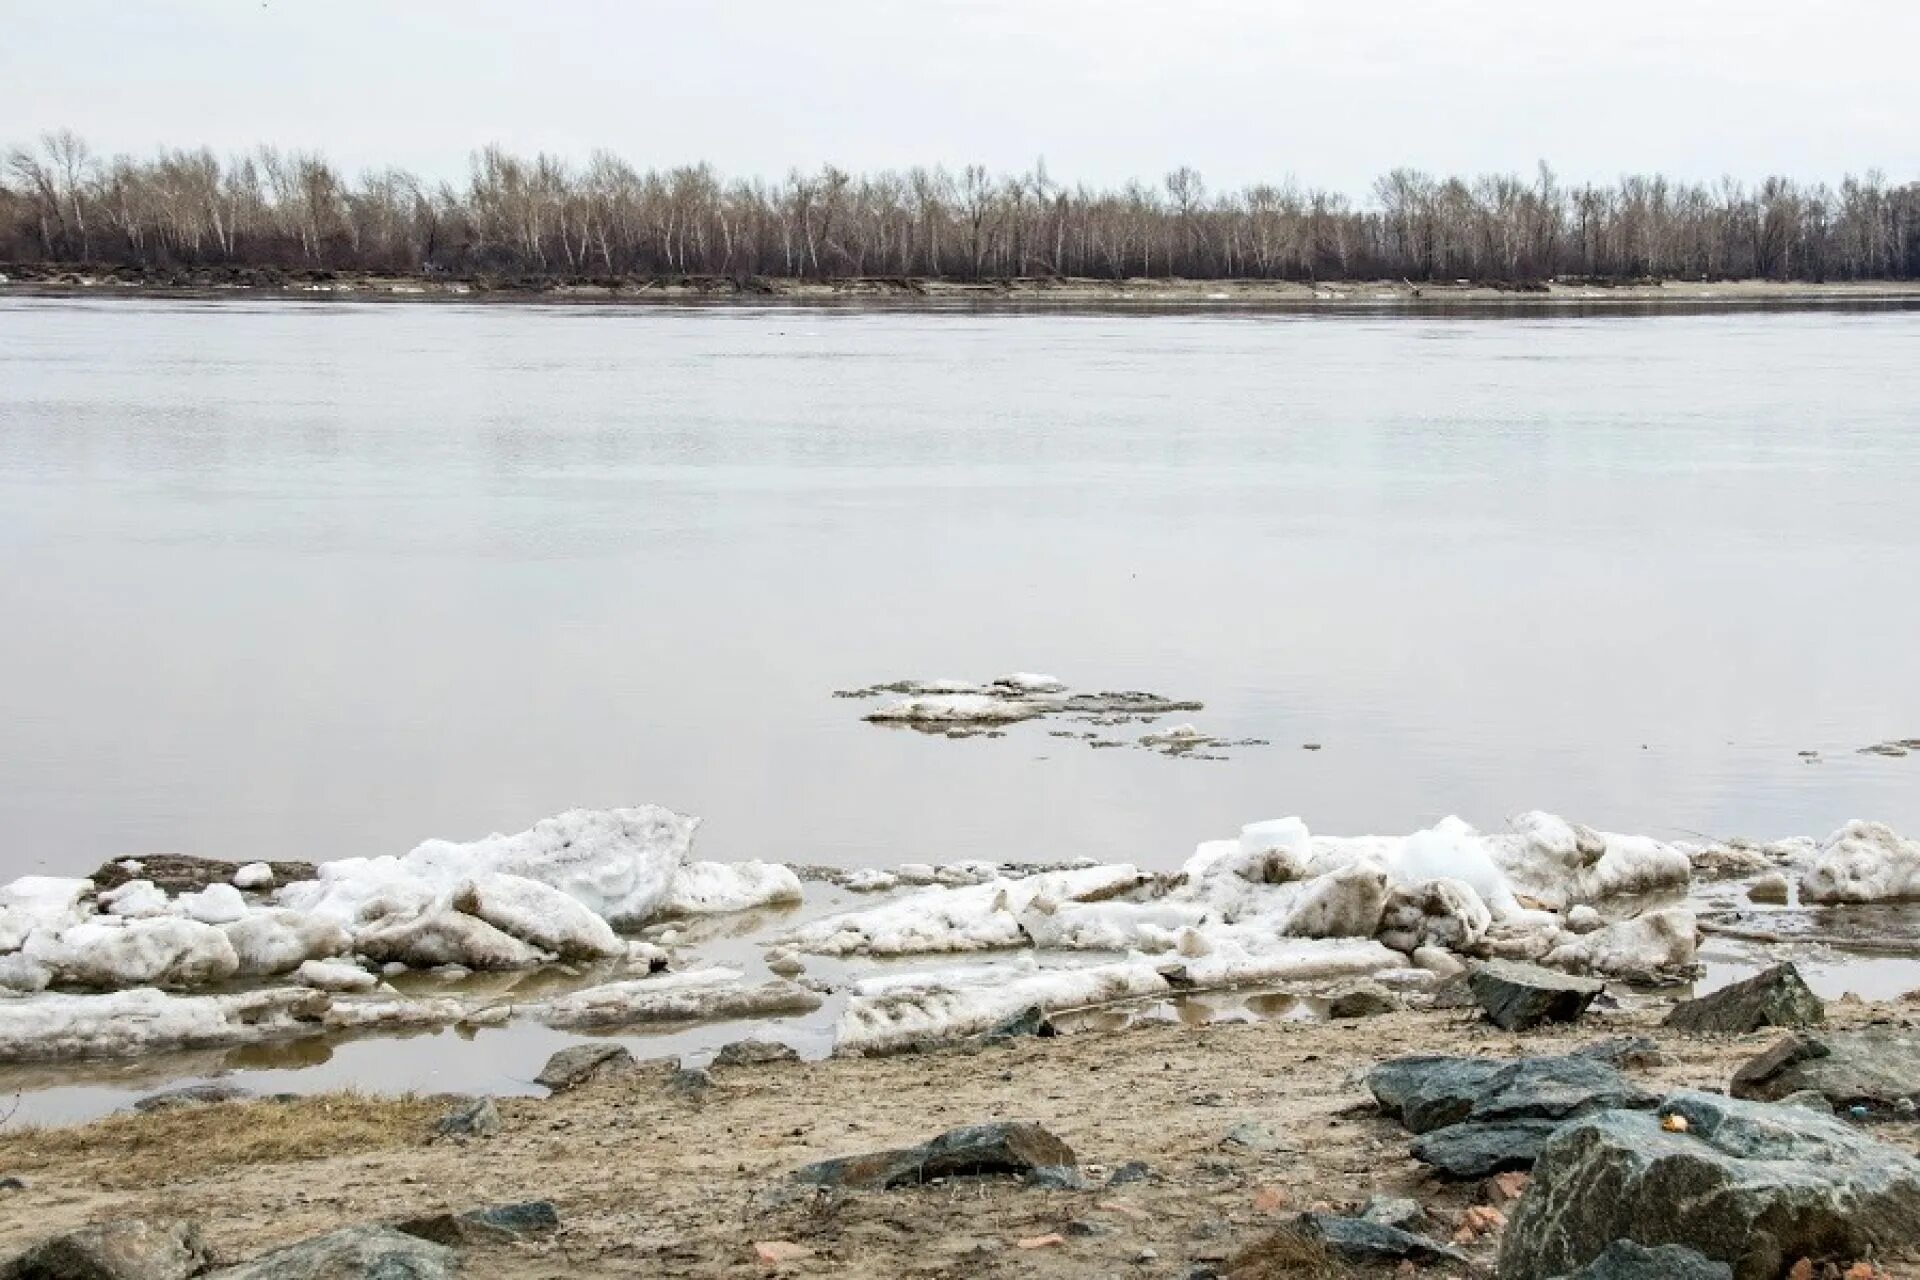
(1332, 92)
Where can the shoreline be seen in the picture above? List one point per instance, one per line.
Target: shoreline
(652, 1176)
(914, 293)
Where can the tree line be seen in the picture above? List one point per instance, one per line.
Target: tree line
(539, 216)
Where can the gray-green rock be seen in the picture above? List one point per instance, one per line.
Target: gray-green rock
(577, 1064)
(1877, 1068)
(1361, 1240)
(1776, 997)
(1749, 1184)
(355, 1253)
(1625, 1260)
(1517, 996)
(124, 1249)
(1011, 1148)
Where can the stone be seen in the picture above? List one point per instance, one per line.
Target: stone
(1394, 1211)
(1131, 1171)
(493, 1225)
(577, 1064)
(1250, 1135)
(1776, 997)
(1811, 1099)
(1359, 1240)
(753, 1053)
(123, 1249)
(1031, 1021)
(474, 1118)
(1367, 1000)
(1625, 1260)
(1877, 1068)
(177, 873)
(193, 1095)
(1772, 888)
(689, 1082)
(353, 1253)
(1517, 996)
(775, 1252)
(1747, 1183)
(1478, 1117)
(1625, 1051)
(1013, 1148)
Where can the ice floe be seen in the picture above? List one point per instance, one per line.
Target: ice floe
(672, 997)
(139, 1020)
(1863, 862)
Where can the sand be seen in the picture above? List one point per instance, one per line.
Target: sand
(650, 1181)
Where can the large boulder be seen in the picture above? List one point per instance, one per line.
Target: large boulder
(124, 1249)
(1877, 1068)
(1476, 1117)
(1518, 996)
(1625, 1260)
(1012, 1147)
(354, 1253)
(1776, 997)
(1747, 1183)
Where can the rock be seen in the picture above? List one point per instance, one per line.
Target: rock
(353, 1253)
(753, 1053)
(1876, 1068)
(1008, 1147)
(1131, 1171)
(1746, 1183)
(193, 1095)
(689, 1082)
(1625, 1051)
(1776, 997)
(1359, 1240)
(1811, 1099)
(1625, 1260)
(475, 1118)
(1477, 1221)
(1364, 1001)
(577, 1064)
(1772, 888)
(1478, 1117)
(1504, 1188)
(1399, 1212)
(492, 1225)
(775, 1252)
(1250, 1135)
(1031, 1021)
(1517, 996)
(1428, 1093)
(123, 1249)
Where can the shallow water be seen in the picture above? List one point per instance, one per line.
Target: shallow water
(314, 580)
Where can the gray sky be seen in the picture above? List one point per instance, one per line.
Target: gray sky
(1332, 92)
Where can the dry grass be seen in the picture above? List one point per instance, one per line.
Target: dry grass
(142, 1150)
(1285, 1255)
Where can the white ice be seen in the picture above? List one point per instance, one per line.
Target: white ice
(974, 918)
(893, 1014)
(108, 952)
(254, 875)
(334, 975)
(539, 915)
(142, 1020)
(1863, 862)
(668, 997)
(957, 708)
(705, 888)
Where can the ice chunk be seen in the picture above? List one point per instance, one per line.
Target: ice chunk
(254, 875)
(670, 997)
(1660, 945)
(1346, 903)
(21, 972)
(539, 914)
(870, 880)
(976, 918)
(40, 902)
(334, 975)
(1443, 912)
(619, 863)
(385, 1013)
(215, 904)
(1863, 862)
(271, 941)
(136, 899)
(440, 936)
(957, 708)
(1237, 958)
(894, 1013)
(702, 888)
(142, 1020)
(1032, 682)
(108, 952)
(1559, 863)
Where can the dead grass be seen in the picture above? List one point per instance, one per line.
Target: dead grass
(1288, 1254)
(141, 1150)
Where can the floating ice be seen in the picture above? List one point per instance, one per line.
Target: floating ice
(1863, 862)
(705, 888)
(142, 1020)
(268, 941)
(700, 993)
(975, 918)
(334, 975)
(108, 952)
(895, 1014)
(443, 936)
(957, 708)
(539, 915)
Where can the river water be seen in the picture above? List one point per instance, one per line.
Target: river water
(312, 580)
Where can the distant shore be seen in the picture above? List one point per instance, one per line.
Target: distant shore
(1024, 291)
